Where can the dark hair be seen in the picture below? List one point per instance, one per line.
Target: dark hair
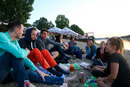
(44, 29)
(71, 38)
(33, 29)
(58, 38)
(12, 25)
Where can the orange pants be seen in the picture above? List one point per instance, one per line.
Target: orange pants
(43, 57)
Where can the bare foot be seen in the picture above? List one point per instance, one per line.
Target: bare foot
(67, 79)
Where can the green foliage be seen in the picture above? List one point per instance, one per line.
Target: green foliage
(61, 21)
(27, 25)
(11, 10)
(76, 28)
(43, 23)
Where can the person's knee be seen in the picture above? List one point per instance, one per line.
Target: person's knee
(55, 54)
(35, 49)
(45, 51)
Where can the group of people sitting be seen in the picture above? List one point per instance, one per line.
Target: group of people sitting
(109, 65)
(20, 60)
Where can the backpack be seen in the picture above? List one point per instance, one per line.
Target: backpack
(78, 54)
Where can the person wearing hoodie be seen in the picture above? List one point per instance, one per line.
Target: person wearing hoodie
(43, 57)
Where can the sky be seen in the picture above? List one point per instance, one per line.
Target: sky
(106, 18)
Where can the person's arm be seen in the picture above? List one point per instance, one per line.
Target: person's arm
(99, 69)
(87, 49)
(39, 45)
(41, 74)
(94, 52)
(29, 64)
(12, 48)
(52, 42)
(114, 72)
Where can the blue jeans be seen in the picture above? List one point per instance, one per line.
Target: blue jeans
(89, 56)
(57, 48)
(19, 74)
(35, 77)
(98, 62)
(68, 51)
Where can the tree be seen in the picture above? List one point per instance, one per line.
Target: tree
(11, 10)
(61, 21)
(43, 23)
(76, 28)
(27, 25)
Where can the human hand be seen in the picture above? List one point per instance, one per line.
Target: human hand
(64, 47)
(93, 57)
(27, 50)
(99, 79)
(42, 74)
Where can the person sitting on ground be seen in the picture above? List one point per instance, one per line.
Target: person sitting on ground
(74, 49)
(13, 56)
(65, 48)
(101, 55)
(72, 43)
(52, 36)
(91, 49)
(119, 68)
(43, 43)
(43, 57)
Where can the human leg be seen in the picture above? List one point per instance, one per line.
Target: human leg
(35, 77)
(50, 60)
(36, 56)
(60, 70)
(19, 71)
(97, 74)
(59, 49)
(88, 56)
(55, 54)
(97, 62)
(68, 51)
(6, 61)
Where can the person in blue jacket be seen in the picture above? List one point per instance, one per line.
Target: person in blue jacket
(91, 50)
(13, 56)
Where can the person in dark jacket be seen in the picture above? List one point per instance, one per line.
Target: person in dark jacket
(43, 43)
(101, 55)
(35, 55)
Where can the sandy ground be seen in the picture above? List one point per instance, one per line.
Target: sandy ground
(76, 82)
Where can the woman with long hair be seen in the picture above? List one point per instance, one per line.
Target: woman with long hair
(91, 49)
(119, 75)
